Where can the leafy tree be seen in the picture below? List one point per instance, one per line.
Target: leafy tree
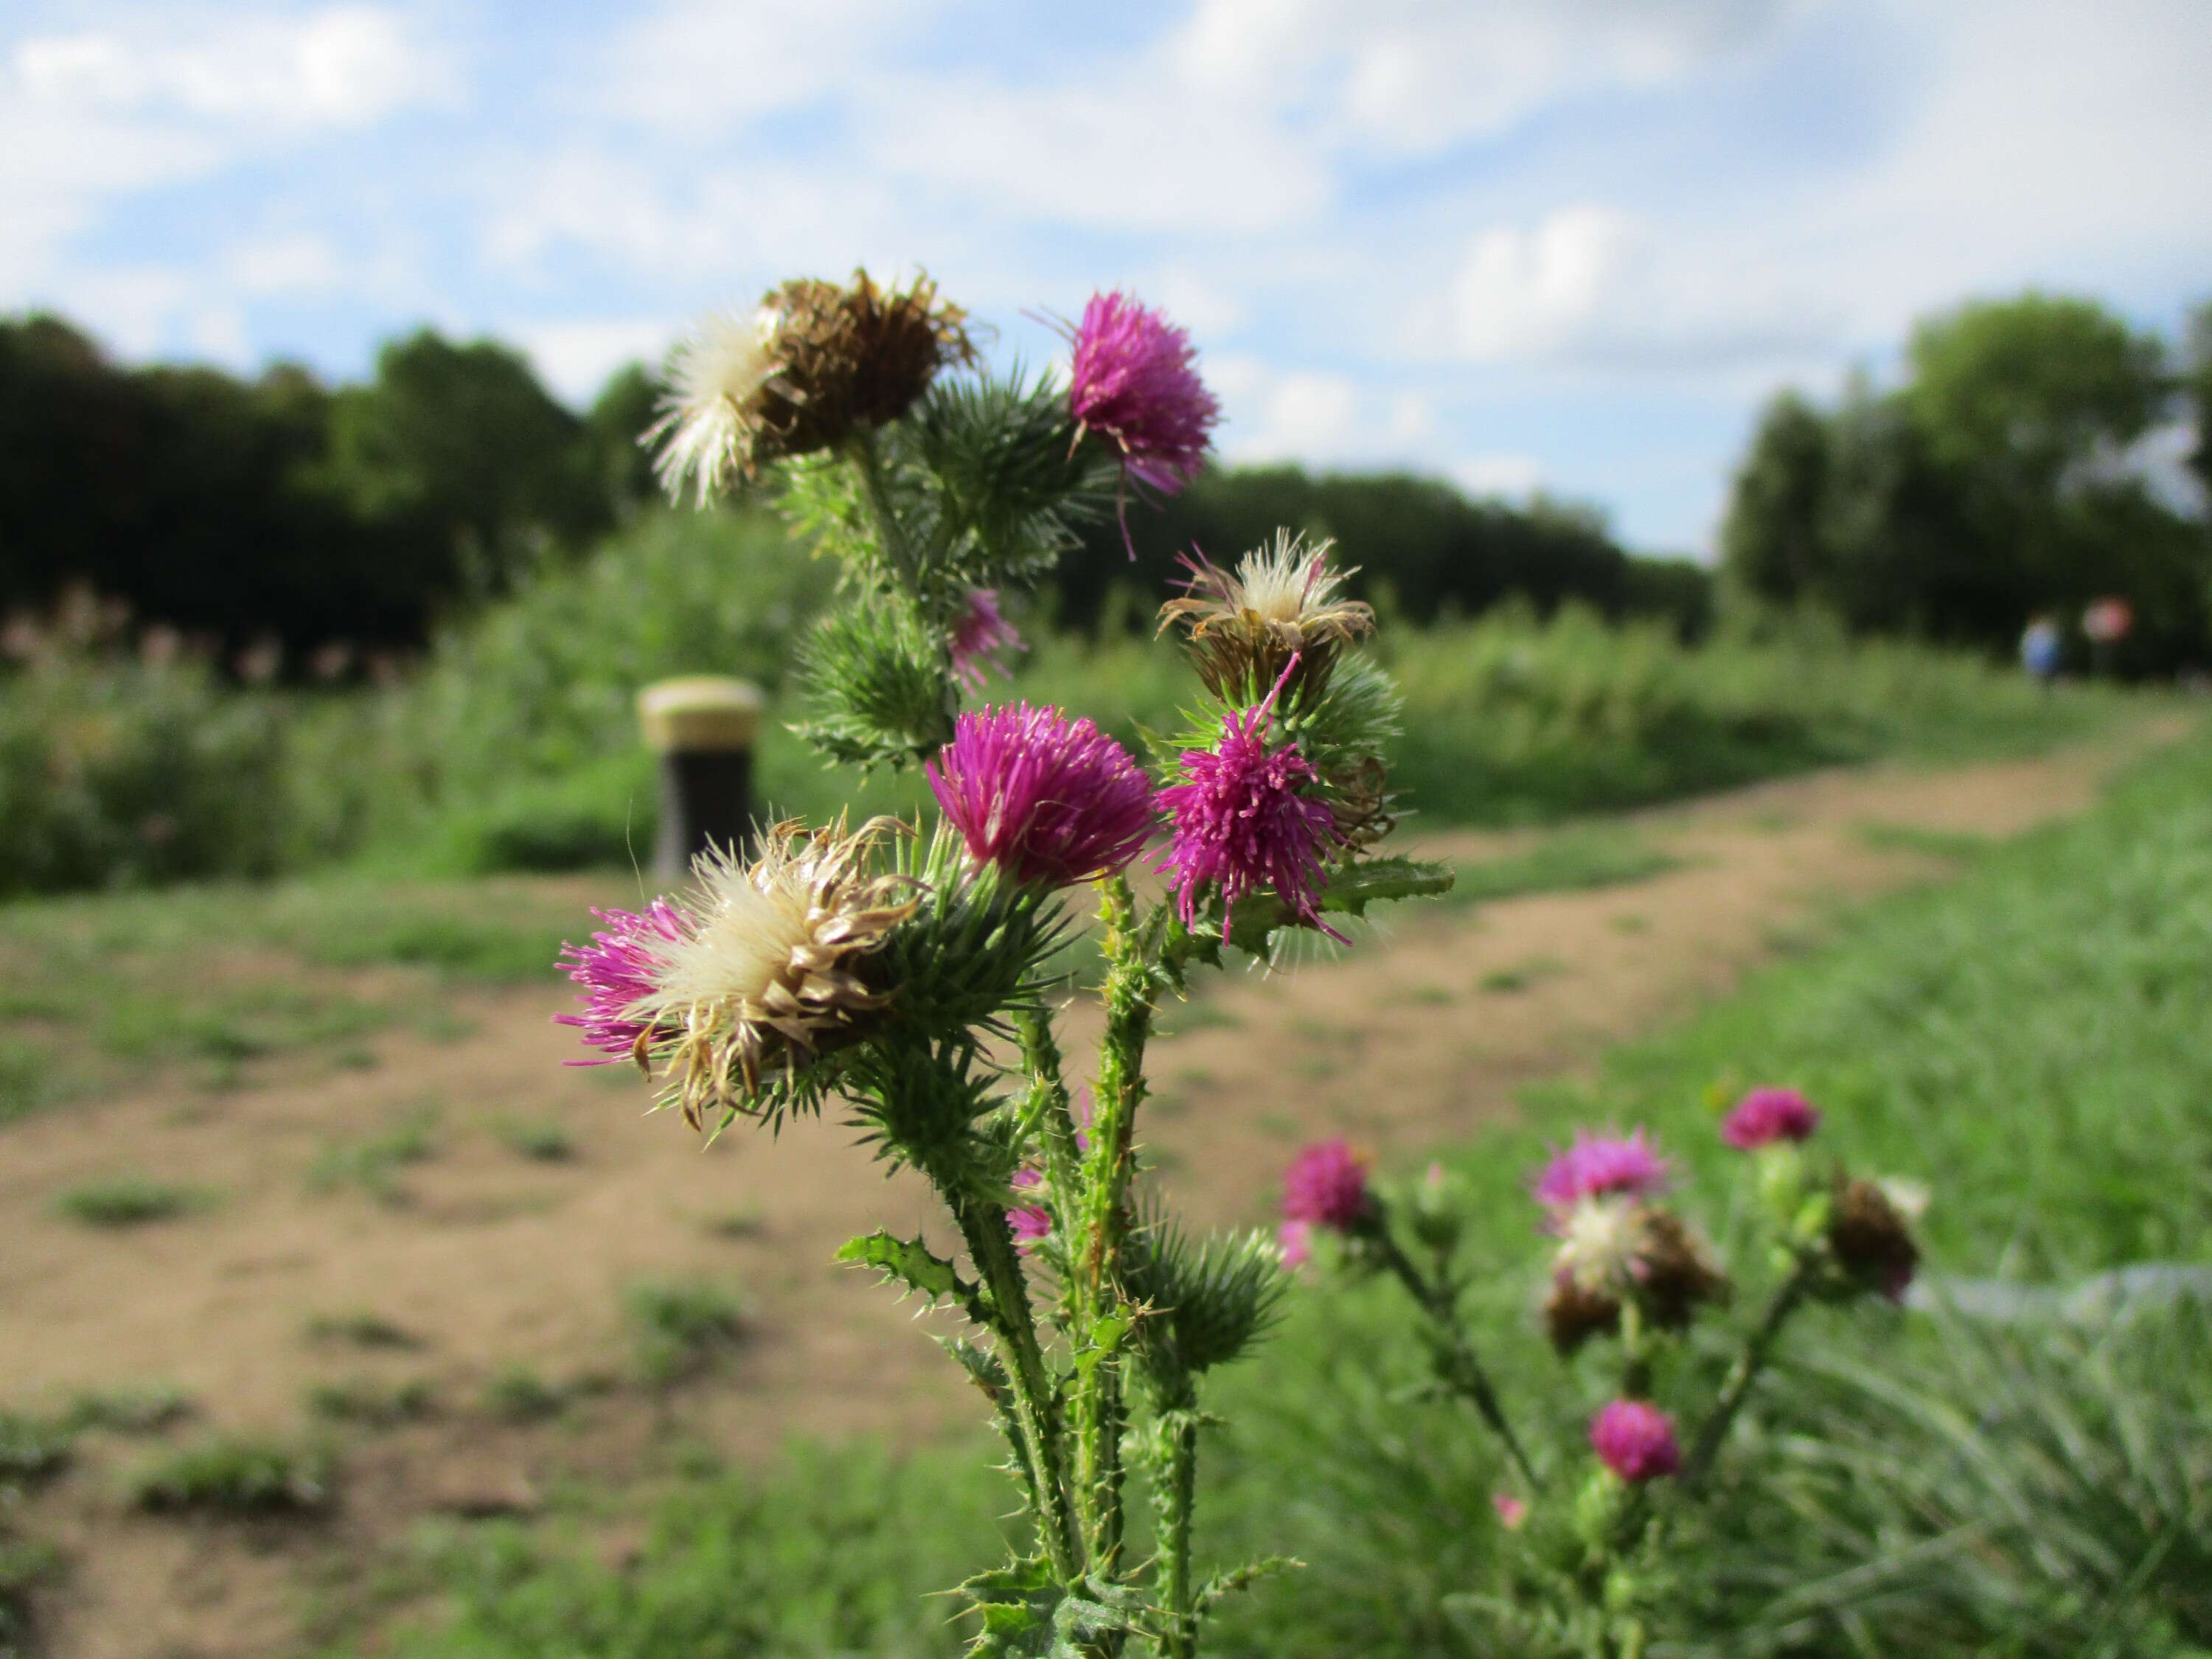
(1771, 541)
(627, 405)
(462, 446)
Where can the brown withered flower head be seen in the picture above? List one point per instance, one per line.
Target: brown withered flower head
(1871, 1241)
(1674, 1273)
(768, 967)
(815, 362)
(1243, 626)
(1573, 1313)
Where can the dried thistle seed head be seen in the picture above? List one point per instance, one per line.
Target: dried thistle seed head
(1573, 1314)
(813, 363)
(1871, 1241)
(1674, 1273)
(854, 356)
(1360, 799)
(1242, 627)
(770, 970)
(1602, 1239)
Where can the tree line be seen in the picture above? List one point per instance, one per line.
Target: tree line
(2015, 472)
(281, 507)
(2002, 479)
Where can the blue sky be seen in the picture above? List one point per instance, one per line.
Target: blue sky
(1559, 244)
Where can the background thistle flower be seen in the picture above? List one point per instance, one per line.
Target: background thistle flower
(979, 635)
(615, 970)
(1326, 1186)
(1133, 378)
(1242, 821)
(766, 968)
(1573, 1313)
(1043, 797)
(1766, 1115)
(1244, 627)
(1635, 1440)
(1597, 1164)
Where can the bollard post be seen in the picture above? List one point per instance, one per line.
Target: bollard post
(702, 727)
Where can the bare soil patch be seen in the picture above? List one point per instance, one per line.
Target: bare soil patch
(479, 1257)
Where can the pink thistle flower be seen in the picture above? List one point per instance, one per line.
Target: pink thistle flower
(1596, 1165)
(1241, 820)
(1511, 1511)
(1294, 1240)
(978, 637)
(617, 972)
(1635, 1440)
(1134, 379)
(1029, 1223)
(1766, 1115)
(1326, 1186)
(1043, 797)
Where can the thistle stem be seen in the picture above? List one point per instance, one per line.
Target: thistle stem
(992, 1248)
(1048, 1111)
(1462, 1367)
(868, 460)
(1758, 1348)
(1178, 1497)
(1129, 993)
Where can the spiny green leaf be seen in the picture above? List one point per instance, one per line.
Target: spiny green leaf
(1223, 1585)
(1351, 888)
(914, 1266)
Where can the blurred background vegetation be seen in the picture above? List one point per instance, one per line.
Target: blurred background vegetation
(258, 626)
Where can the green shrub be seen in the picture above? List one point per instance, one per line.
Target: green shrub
(145, 1410)
(517, 1394)
(372, 1404)
(33, 1448)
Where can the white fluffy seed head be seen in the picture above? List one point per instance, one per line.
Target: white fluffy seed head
(713, 374)
(748, 924)
(1599, 1239)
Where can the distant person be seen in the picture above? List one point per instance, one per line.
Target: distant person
(2040, 649)
(2104, 624)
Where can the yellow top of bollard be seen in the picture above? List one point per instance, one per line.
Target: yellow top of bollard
(699, 711)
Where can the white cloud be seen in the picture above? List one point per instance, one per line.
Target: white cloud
(300, 264)
(1498, 475)
(1526, 292)
(1414, 76)
(701, 66)
(575, 358)
(1317, 416)
(341, 66)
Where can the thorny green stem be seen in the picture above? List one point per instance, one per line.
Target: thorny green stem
(1048, 1109)
(992, 1248)
(867, 459)
(1464, 1368)
(1178, 1497)
(1758, 1348)
(1129, 992)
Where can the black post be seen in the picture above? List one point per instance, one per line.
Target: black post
(702, 727)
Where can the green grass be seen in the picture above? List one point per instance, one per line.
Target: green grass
(373, 1163)
(2028, 1038)
(32, 1450)
(361, 1329)
(541, 1142)
(517, 1394)
(1576, 858)
(129, 1200)
(236, 1478)
(144, 1410)
(369, 1403)
(680, 1327)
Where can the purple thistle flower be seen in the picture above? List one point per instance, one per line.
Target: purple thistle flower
(1029, 1223)
(1511, 1511)
(1326, 1186)
(1598, 1164)
(1294, 1240)
(1043, 797)
(1134, 379)
(1240, 820)
(1635, 1440)
(978, 637)
(617, 972)
(1766, 1115)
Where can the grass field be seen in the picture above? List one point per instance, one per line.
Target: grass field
(2028, 1039)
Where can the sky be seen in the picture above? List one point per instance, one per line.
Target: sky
(1570, 245)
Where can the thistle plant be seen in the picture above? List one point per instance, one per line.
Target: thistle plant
(1630, 1284)
(905, 972)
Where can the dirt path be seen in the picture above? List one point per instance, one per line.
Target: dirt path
(485, 1259)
